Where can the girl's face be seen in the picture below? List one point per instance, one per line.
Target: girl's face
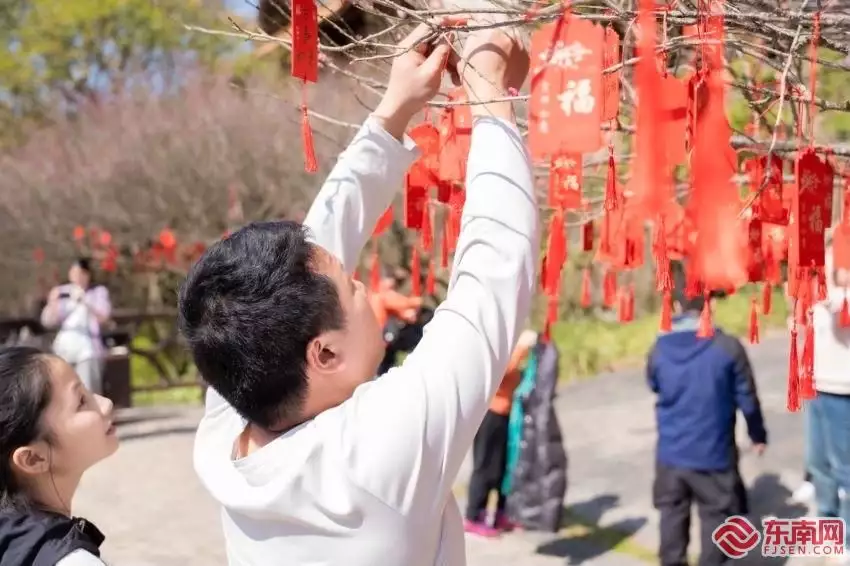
(79, 421)
(80, 428)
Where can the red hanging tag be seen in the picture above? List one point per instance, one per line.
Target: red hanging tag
(754, 323)
(566, 88)
(766, 177)
(611, 81)
(455, 137)
(812, 211)
(565, 175)
(415, 202)
(630, 303)
(586, 299)
(304, 61)
(415, 273)
(305, 66)
(587, 236)
(793, 402)
(622, 305)
(427, 138)
(556, 252)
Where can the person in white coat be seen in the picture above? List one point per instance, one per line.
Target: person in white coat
(312, 459)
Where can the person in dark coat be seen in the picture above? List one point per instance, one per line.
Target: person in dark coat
(536, 482)
(700, 384)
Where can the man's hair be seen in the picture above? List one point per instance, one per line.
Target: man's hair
(679, 294)
(248, 309)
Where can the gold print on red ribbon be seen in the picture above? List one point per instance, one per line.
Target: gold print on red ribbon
(565, 181)
(812, 211)
(611, 81)
(305, 40)
(566, 88)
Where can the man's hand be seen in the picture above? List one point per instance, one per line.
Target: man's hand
(415, 76)
(494, 63)
(759, 449)
(53, 296)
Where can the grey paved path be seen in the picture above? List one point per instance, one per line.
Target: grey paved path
(154, 511)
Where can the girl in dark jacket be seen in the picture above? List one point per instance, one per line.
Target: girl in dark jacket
(52, 429)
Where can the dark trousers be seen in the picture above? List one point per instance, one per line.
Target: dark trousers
(489, 454)
(718, 495)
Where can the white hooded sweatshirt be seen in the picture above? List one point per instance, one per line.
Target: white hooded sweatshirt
(368, 483)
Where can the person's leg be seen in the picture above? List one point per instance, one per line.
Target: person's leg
(837, 413)
(91, 374)
(806, 491)
(481, 481)
(672, 497)
(818, 458)
(500, 460)
(718, 497)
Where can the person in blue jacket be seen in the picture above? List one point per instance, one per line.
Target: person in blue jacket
(700, 384)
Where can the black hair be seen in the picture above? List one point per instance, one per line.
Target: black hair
(248, 309)
(24, 396)
(680, 295)
(83, 263)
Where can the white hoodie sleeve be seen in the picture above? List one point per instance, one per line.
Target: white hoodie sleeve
(80, 558)
(368, 174)
(404, 436)
(362, 184)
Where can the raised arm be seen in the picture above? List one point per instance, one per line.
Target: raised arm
(371, 171)
(360, 187)
(408, 432)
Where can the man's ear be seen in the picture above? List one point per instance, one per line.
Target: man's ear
(32, 460)
(323, 352)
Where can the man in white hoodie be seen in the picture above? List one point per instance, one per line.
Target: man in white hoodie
(313, 462)
(828, 442)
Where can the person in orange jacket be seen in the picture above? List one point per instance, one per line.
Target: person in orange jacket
(489, 449)
(391, 306)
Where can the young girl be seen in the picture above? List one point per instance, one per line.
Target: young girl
(52, 429)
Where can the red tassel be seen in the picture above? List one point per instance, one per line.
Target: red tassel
(706, 328)
(767, 295)
(415, 273)
(754, 323)
(375, 273)
(430, 279)
(807, 389)
(586, 299)
(844, 317)
(693, 286)
(631, 302)
(663, 280)
(611, 197)
(587, 236)
(427, 239)
(310, 163)
(793, 402)
(822, 291)
(666, 312)
(609, 289)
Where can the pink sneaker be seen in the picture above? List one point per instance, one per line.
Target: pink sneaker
(503, 524)
(480, 529)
